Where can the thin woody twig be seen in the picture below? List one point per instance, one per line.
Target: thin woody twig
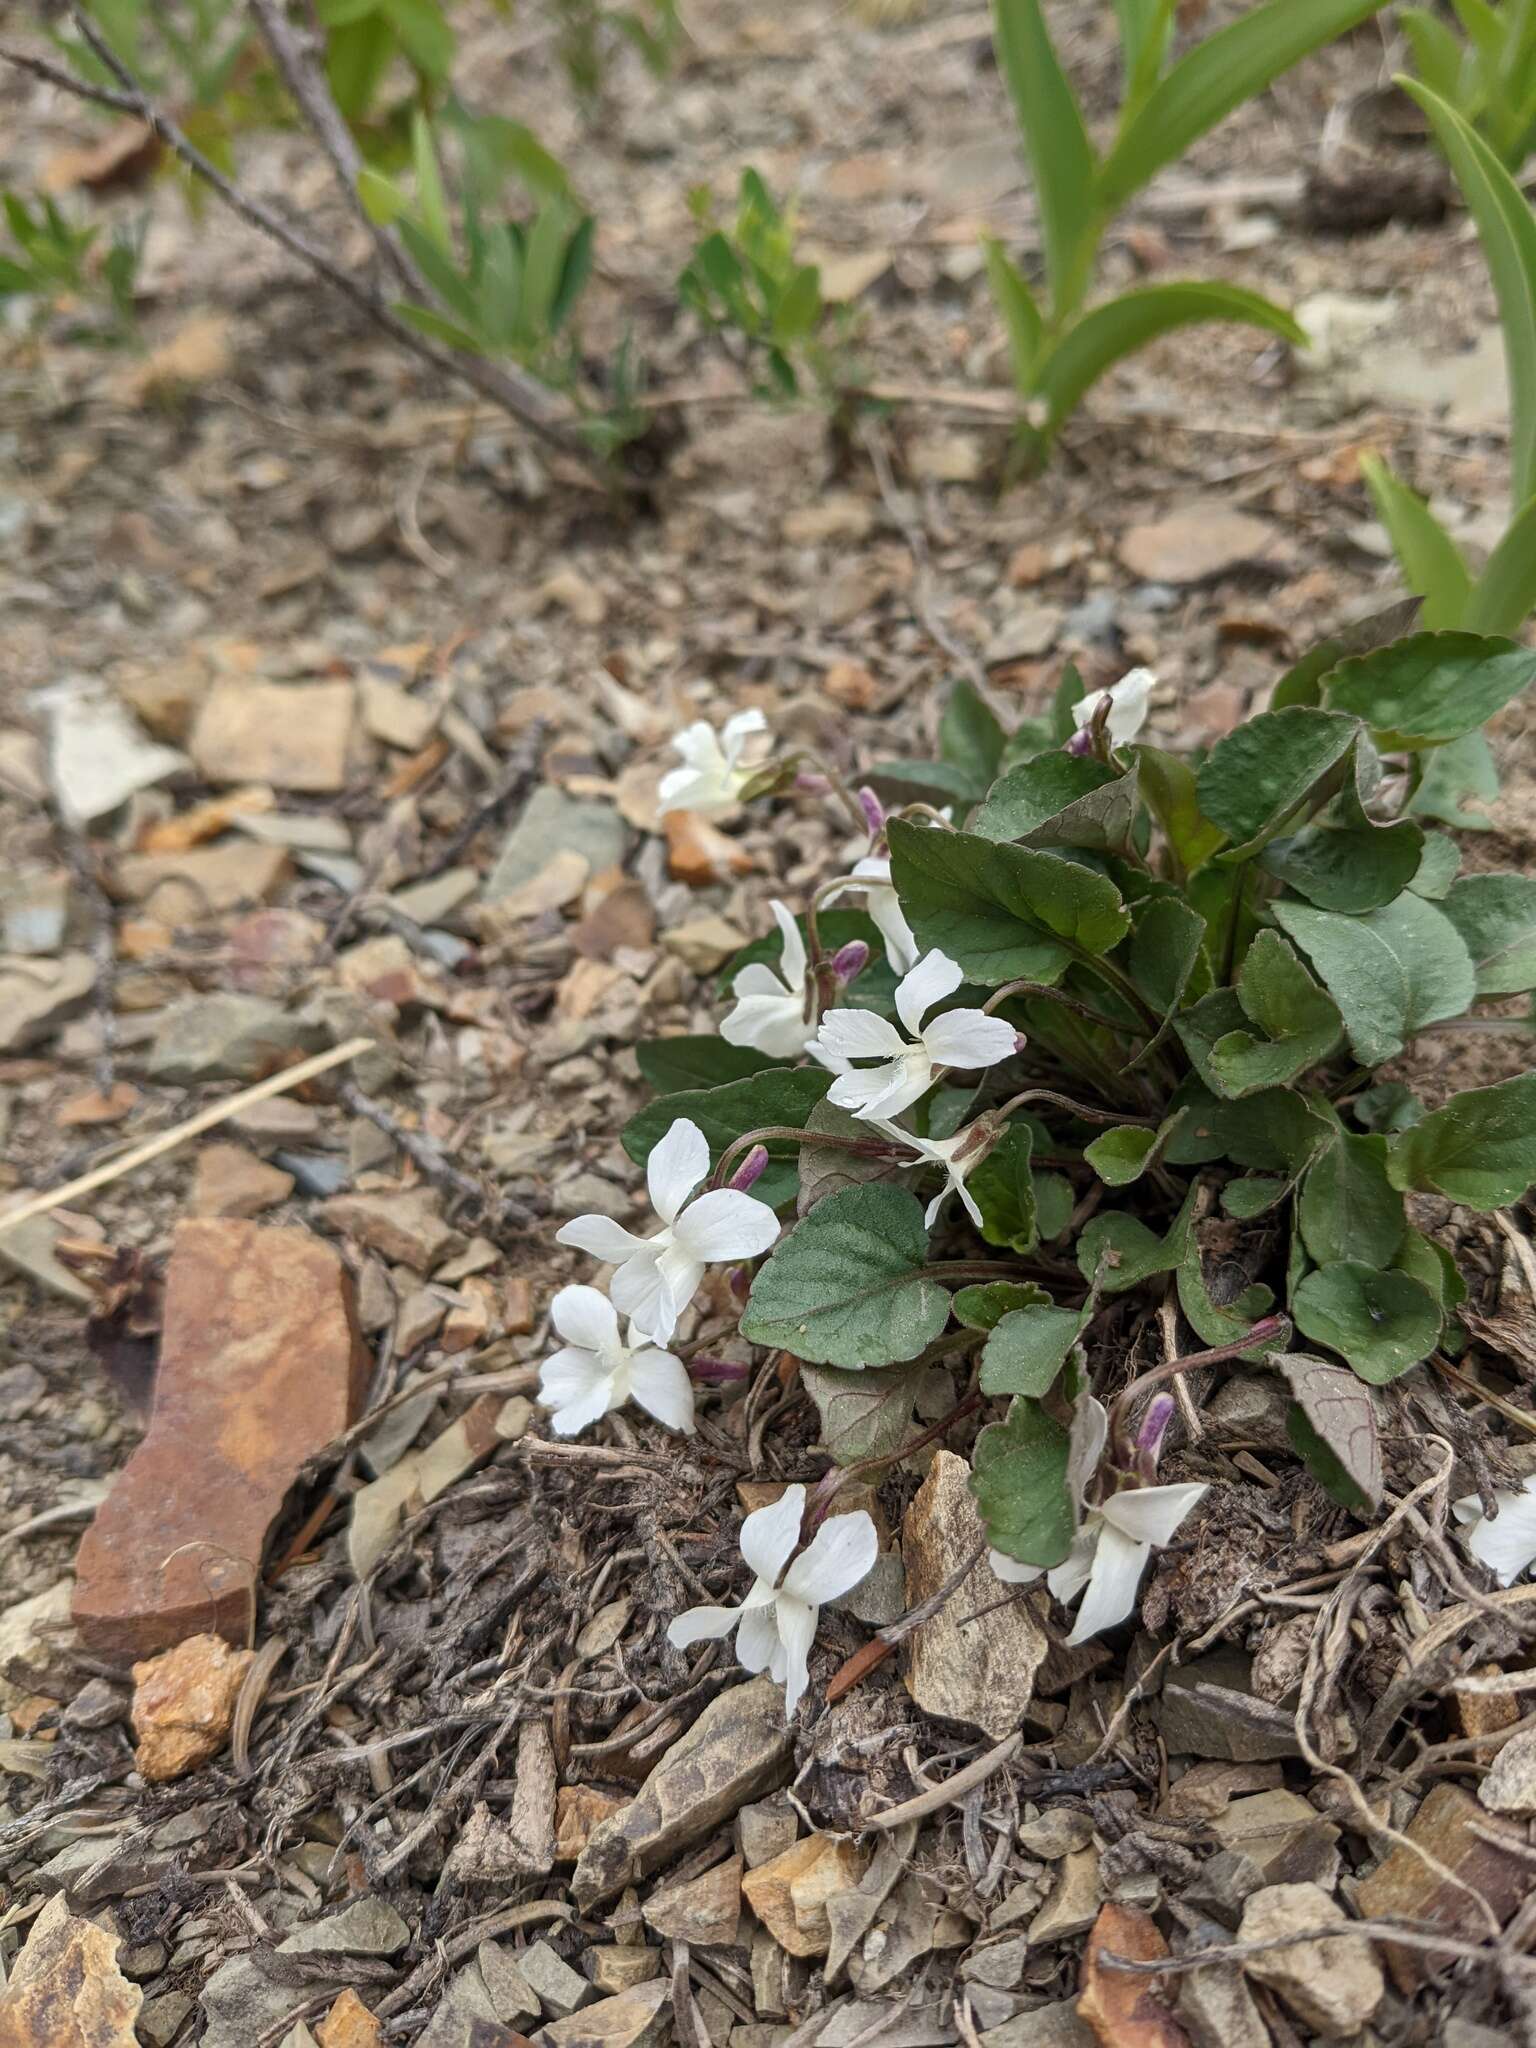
(295, 60)
(418, 1146)
(167, 1141)
(515, 393)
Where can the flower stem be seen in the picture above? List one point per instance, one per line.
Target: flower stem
(1079, 1109)
(1265, 1329)
(792, 1134)
(1052, 995)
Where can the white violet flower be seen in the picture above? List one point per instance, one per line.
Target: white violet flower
(595, 1372)
(713, 774)
(776, 1623)
(885, 911)
(659, 1275)
(1117, 1537)
(957, 1155)
(1128, 702)
(1507, 1544)
(770, 1013)
(960, 1038)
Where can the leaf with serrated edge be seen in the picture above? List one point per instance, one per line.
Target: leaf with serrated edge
(983, 1306)
(1496, 916)
(846, 1286)
(1479, 1149)
(1348, 1208)
(778, 1095)
(1005, 913)
(1432, 688)
(1028, 1348)
(1390, 973)
(1019, 1478)
(1383, 1323)
(1256, 779)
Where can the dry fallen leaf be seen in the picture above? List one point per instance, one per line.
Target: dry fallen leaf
(1122, 2008)
(197, 353)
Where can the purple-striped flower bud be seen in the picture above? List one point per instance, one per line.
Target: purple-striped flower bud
(811, 784)
(873, 809)
(1081, 741)
(850, 961)
(1149, 1438)
(1019, 1041)
(739, 1280)
(717, 1372)
(750, 1169)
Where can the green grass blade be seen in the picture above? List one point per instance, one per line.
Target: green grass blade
(1061, 158)
(1504, 596)
(1217, 76)
(1101, 338)
(1437, 55)
(431, 199)
(1508, 231)
(1430, 560)
(1021, 315)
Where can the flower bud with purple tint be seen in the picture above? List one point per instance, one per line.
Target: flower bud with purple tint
(850, 961)
(750, 1170)
(873, 809)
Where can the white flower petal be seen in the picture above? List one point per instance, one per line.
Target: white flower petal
(757, 1640)
(585, 1316)
(1118, 1564)
(725, 1224)
(840, 1556)
(773, 1024)
(569, 1374)
(1507, 1544)
(797, 1632)
(860, 1035)
(699, 745)
(903, 1081)
(769, 1535)
(1067, 1579)
(792, 957)
(676, 1165)
(601, 1237)
(857, 1091)
(885, 909)
(757, 978)
(1090, 1429)
(695, 1624)
(972, 1207)
(739, 728)
(660, 1383)
(680, 1275)
(1128, 704)
(969, 1038)
(1151, 1514)
(1010, 1571)
(576, 1398)
(640, 1289)
(933, 978)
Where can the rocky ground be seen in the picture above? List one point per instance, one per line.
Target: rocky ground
(332, 711)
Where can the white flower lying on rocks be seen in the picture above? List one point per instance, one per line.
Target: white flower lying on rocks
(960, 1038)
(770, 1013)
(596, 1372)
(1117, 1537)
(659, 1275)
(885, 911)
(1128, 701)
(713, 774)
(957, 1155)
(1507, 1544)
(776, 1623)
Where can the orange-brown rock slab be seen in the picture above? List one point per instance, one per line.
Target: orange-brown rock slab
(261, 1365)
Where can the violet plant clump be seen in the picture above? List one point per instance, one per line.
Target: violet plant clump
(1126, 1004)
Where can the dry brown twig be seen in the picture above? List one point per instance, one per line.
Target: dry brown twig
(509, 389)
